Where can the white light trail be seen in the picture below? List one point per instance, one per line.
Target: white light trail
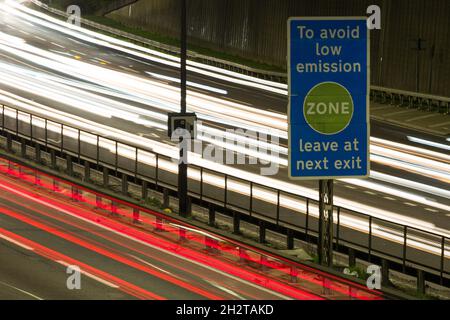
(429, 143)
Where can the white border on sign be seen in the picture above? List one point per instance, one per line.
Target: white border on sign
(289, 97)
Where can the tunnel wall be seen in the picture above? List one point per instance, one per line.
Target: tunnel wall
(99, 7)
(256, 29)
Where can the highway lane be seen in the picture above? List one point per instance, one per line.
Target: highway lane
(130, 266)
(347, 190)
(25, 275)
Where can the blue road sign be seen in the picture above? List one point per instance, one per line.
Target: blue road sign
(329, 83)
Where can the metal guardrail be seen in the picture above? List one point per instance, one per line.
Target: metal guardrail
(371, 235)
(290, 274)
(382, 95)
(410, 99)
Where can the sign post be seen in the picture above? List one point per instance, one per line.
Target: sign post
(329, 86)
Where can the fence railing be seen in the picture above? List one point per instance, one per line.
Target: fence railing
(376, 237)
(410, 99)
(383, 95)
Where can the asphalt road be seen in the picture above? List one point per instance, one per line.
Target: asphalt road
(104, 58)
(41, 235)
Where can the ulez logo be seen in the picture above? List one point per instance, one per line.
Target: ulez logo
(328, 108)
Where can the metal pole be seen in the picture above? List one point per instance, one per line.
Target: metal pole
(325, 239)
(182, 167)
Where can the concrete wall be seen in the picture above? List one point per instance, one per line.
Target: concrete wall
(256, 29)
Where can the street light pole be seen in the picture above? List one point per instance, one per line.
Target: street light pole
(182, 167)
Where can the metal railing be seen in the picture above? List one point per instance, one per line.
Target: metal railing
(410, 99)
(297, 280)
(373, 236)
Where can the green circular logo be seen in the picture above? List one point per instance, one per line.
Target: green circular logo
(328, 108)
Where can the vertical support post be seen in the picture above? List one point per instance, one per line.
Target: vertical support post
(8, 142)
(351, 257)
(242, 255)
(236, 223)
(262, 232)
(294, 273)
(55, 185)
(384, 272)
(290, 239)
(212, 215)
(325, 240)
(166, 199)
(37, 179)
(442, 261)
(182, 234)
(98, 201)
(136, 215)
(53, 159)
(420, 282)
(182, 166)
(87, 171)
(405, 243)
(69, 165)
(159, 224)
(263, 262)
(105, 177)
(23, 148)
(113, 208)
(124, 184)
(144, 191)
(38, 153)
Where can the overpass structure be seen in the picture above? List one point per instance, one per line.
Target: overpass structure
(78, 99)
